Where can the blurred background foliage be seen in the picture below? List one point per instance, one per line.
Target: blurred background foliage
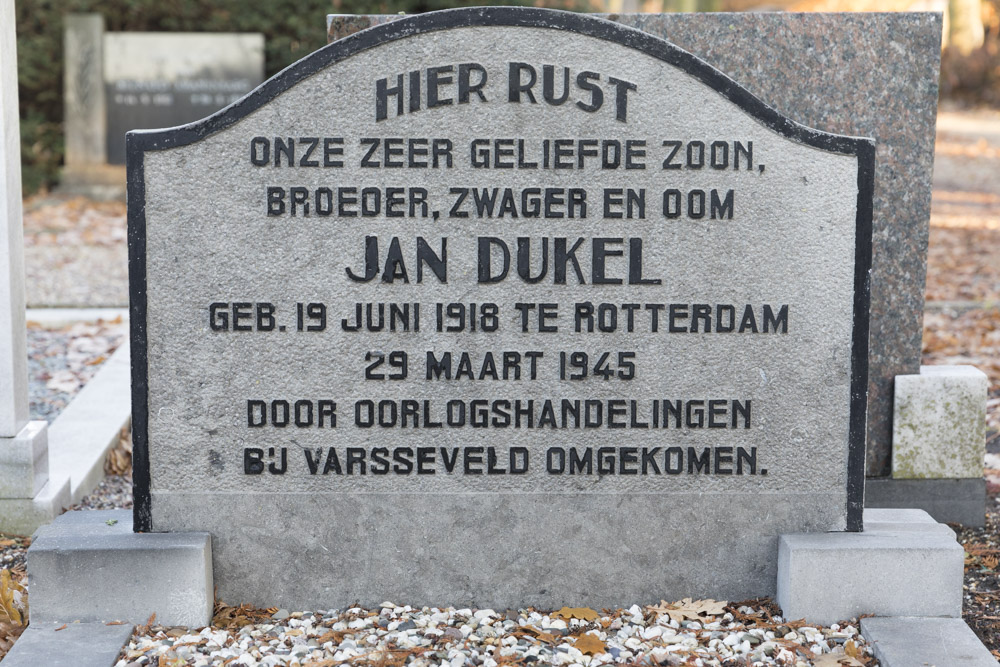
(291, 28)
(970, 72)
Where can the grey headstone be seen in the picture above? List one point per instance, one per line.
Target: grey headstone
(212, 224)
(157, 79)
(866, 74)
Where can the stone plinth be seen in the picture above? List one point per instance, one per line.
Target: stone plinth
(939, 424)
(903, 564)
(72, 561)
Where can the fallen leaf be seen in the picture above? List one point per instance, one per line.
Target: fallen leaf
(851, 649)
(590, 645)
(544, 636)
(688, 609)
(61, 627)
(582, 613)
(13, 599)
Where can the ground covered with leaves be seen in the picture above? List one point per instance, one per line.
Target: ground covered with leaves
(706, 633)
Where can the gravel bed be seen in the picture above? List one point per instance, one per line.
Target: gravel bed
(61, 361)
(113, 493)
(745, 635)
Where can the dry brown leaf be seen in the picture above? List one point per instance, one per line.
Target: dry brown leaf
(590, 645)
(582, 613)
(544, 636)
(688, 609)
(991, 562)
(61, 627)
(851, 649)
(13, 599)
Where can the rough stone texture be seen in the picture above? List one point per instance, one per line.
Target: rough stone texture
(24, 462)
(72, 561)
(939, 423)
(511, 527)
(903, 564)
(83, 90)
(907, 641)
(869, 74)
(68, 645)
(946, 500)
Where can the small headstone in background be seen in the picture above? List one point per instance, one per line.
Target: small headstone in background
(120, 81)
(160, 79)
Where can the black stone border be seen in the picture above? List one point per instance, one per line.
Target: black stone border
(138, 142)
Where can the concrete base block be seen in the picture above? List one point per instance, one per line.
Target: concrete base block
(903, 564)
(75, 645)
(72, 561)
(24, 461)
(22, 516)
(946, 500)
(82, 434)
(905, 642)
(938, 423)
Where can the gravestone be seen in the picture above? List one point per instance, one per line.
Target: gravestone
(119, 81)
(869, 74)
(155, 79)
(498, 307)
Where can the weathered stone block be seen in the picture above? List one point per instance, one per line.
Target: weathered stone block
(72, 561)
(939, 423)
(879, 79)
(903, 564)
(24, 461)
(906, 641)
(69, 645)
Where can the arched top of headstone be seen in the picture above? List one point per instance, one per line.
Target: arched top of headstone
(526, 17)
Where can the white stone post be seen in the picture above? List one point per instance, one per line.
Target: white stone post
(25, 499)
